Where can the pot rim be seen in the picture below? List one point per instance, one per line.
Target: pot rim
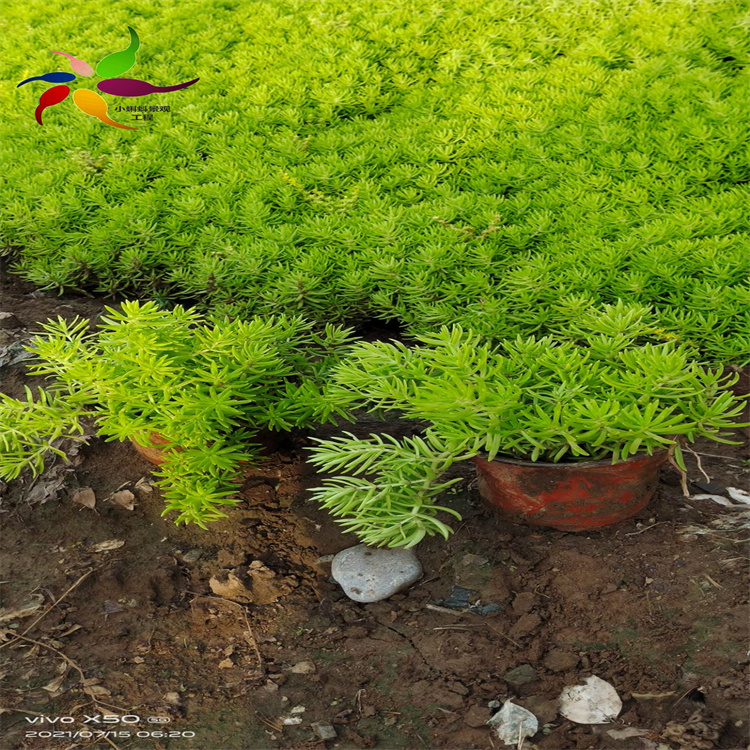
(569, 465)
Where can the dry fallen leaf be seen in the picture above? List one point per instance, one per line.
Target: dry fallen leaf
(24, 610)
(143, 485)
(594, 702)
(96, 691)
(226, 664)
(739, 496)
(138, 660)
(86, 497)
(109, 545)
(124, 498)
(55, 685)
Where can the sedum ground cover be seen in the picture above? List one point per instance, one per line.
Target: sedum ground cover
(501, 164)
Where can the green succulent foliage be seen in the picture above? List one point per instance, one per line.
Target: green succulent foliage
(31, 429)
(495, 164)
(605, 392)
(204, 388)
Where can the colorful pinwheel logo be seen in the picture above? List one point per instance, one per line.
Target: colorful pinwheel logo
(89, 101)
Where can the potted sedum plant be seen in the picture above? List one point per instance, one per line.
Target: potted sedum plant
(197, 391)
(568, 433)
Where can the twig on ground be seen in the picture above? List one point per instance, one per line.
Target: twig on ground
(456, 627)
(109, 741)
(640, 531)
(69, 661)
(442, 610)
(271, 725)
(502, 635)
(16, 637)
(713, 455)
(57, 601)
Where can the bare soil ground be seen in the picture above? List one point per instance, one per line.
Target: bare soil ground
(657, 606)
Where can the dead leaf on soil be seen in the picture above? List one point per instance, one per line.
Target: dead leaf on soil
(96, 691)
(594, 702)
(109, 545)
(86, 497)
(24, 610)
(124, 498)
(144, 486)
(739, 495)
(44, 490)
(226, 664)
(56, 684)
(718, 499)
(512, 724)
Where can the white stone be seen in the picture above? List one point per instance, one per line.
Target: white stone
(370, 574)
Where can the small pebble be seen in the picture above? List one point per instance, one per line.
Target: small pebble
(324, 731)
(192, 555)
(371, 574)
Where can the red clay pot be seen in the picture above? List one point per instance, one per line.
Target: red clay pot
(570, 497)
(154, 455)
(270, 442)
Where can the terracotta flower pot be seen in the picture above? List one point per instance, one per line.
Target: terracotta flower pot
(573, 496)
(152, 454)
(270, 442)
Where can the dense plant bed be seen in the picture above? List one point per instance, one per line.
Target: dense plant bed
(501, 165)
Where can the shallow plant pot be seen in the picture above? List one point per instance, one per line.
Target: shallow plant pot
(573, 496)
